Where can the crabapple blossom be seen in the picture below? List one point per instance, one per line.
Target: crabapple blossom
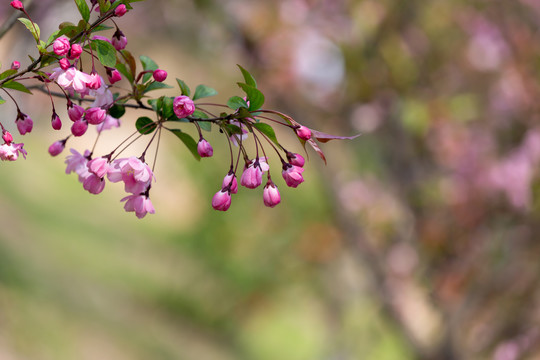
(113, 75)
(119, 40)
(61, 46)
(24, 123)
(71, 79)
(93, 184)
(15, 65)
(79, 127)
(7, 137)
(252, 175)
(136, 175)
(76, 112)
(17, 5)
(303, 133)
(75, 51)
(183, 106)
(222, 200)
(292, 175)
(204, 148)
(95, 81)
(56, 123)
(64, 64)
(95, 115)
(76, 163)
(98, 166)
(109, 123)
(159, 75)
(296, 159)
(230, 180)
(10, 152)
(56, 148)
(120, 10)
(271, 195)
(140, 204)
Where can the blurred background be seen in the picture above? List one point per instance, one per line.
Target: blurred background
(418, 240)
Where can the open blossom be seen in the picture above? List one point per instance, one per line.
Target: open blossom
(76, 163)
(140, 204)
(61, 46)
(103, 96)
(271, 195)
(109, 123)
(95, 115)
(292, 175)
(11, 151)
(24, 123)
(93, 184)
(98, 166)
(222, 200)
(95, 81)
(252, 175)
(230, 180)
(136, 175)
(71, 79)
(183, 106)
(204, 148)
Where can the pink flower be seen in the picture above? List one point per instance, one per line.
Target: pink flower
(183, 106)
(204, 148)
(159, 75)
(119, 40)
(15, 65)
(24, 123)
(292, 175)
(95, 81)
(103, 96)
(71, 79)
(56, 123)
(296, 159)
(93, 184)
(77, 163)
(61, 46)
(57, 147)
(95, 115)
(114, 76)
(10, 152)
(98, 166)
(136, 175)
(252, 175)
(271, 195)
(17, 5)
(230, 181)
(109, 123)
(75, 51)
(222, 200)
(303, 133)
(120, 10)
(140, 204)
(75, 112)
(79, 128)
(7, 137)
(236, 138)
(103, 38)
(64, 64)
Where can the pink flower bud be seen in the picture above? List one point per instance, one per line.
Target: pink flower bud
(75, 52)
(252, 175)
(56, 148)
(15, 65)
(61, 46)
(230, 180)
(75, 112)
(303, 133)
(160, 75)
(296, 159)
(204, 148)
(95, 115)
(271, 195)
(221, 200)
(64, 64)
(17, 5)
(56, 123)
(119, 40)
(24, 123)
(292, 175)
(183, 106)
(98, 166)
(8, 138)
(94, 82)
(79, 127)
(93, 184)
(120, 10)
(114, 76)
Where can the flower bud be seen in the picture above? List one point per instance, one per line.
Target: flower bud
(95, 115)
(75, 112)
(56, 123)
(296, 159)
(24, 123)
(94, 82)
(75, 52)
(57, 147)
(160, 75)
(120, 10)
(79, 127)
(8, 138)
(221, 200)
(61, 46)
(17, 5)
(204, 148)
(15, 65)
(303, 133)
(230, 180)
(292, 175)
(64, 64)
(114, 76)
(183, 106)
(119, 40)
(93, 184)
(271, 195)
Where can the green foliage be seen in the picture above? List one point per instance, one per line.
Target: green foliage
(266, 130)
(148, 64)
(83, 9)
(203, 91)
(105, 51)
(14, 85)
(254, 96)
(236, 102)
(33, 28)
(145, 125)
(248, 78)
(184, 89)
(190, 143)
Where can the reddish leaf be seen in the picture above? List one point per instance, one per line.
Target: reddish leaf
(322, 137)
(317, 149)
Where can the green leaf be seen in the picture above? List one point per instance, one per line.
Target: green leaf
(156, 86)
(124, 71)
(7, 73)
(117, 111)
(168, 110)
(148, 64)
(83, 9)
(101, 28)
(205, 125)
(183, 87)
(2, 101)
(33, 28)
(250, 80)
(254, 96)
(188, 141)
(236, 102)
(106, 52)
(266, 130)
(16, 86)
(232, 129)
(47, 60)
(66, 28)
(145, 125)
(104, 6)
(203, 91)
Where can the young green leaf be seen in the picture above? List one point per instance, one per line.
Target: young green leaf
(205, 125)
(16, 86)
(237, 102)
(124, 71)
(7, 73)
(33, 28)
(249, 79)
(168, 109)
(156, 86)
(266, 130)
(148, 64)
(254, 96)
(105, 51)
(183, 87)
(203, 91)
(188, 141)
(145, 125)
(83, 9)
